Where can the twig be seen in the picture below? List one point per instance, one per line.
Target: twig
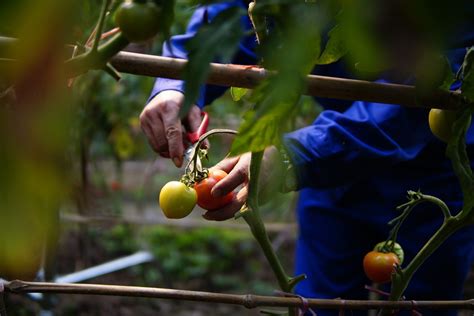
(249, 300)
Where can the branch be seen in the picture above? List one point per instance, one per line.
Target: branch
(82, 63)
(248, 300)
(203, 137)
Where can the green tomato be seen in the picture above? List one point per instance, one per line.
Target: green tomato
(177, 200)
(386, 247)
(138, 21)
(441, 123)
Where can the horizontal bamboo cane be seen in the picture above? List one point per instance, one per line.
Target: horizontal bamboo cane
(245, 76)
(320, 86)
(248, 301)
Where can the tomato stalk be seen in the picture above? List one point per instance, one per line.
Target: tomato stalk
(456, 151)
(250, 212)
(252, 216)
(100, 25)
(97, 56)
(195, 174)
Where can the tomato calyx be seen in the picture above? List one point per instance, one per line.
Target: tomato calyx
(191, 178)
(389, 246)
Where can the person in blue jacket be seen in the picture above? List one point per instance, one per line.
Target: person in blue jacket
(353, 166)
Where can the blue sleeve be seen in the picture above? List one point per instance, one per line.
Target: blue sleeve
(363, 139)
(175, 47)
(340, 147)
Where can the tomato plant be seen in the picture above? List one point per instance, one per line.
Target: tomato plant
(379, 266)
(177, 200)
(204, 188)
(138, 20)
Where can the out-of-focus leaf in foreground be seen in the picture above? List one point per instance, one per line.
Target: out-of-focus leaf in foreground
(217, 40)
(292, 52)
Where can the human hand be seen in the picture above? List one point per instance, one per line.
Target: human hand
(163, 127)
(237, 178)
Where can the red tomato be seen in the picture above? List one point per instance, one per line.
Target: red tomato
(115, 186)
(380, 266)
(204, 187)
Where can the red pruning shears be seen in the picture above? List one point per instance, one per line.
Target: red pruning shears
(193, 137)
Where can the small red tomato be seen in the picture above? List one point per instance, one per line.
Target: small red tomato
(380, 266)
(204, 188)
(115, 186)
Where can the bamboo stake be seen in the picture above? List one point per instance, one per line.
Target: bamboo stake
(248, 300)
(250, 76)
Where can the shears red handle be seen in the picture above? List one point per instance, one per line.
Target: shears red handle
(193, 137)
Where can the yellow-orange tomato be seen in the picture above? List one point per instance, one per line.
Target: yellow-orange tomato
(441, 123)
(177, 200)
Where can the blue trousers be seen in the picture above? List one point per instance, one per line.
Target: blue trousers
(332, 243)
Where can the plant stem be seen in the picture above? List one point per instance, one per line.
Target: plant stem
(402, 279)
(100, 25)
(257, 227)
(82, 63)
(203, 137)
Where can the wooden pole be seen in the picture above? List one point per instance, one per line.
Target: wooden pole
(248, 301)
(320, 86)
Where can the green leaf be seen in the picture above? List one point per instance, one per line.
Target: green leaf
(433, 73)
(292, 52)
(217, 40)
(335, 48)
(467, 87)
(238, 93)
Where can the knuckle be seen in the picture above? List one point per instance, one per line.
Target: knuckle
(241, 173)
(144, 116)
(173, 132)
(168, 107)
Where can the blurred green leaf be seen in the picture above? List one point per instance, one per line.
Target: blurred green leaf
(218, 39)
(434, 72)
(167, 16)
(238, 93)
(292, 52)
(335, 47)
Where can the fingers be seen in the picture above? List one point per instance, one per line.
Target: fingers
(172, 131)
(227, 164)
(230, 209)
(161, 124)
(236, 177)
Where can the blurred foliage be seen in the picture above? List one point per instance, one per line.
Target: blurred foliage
(208, 258)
